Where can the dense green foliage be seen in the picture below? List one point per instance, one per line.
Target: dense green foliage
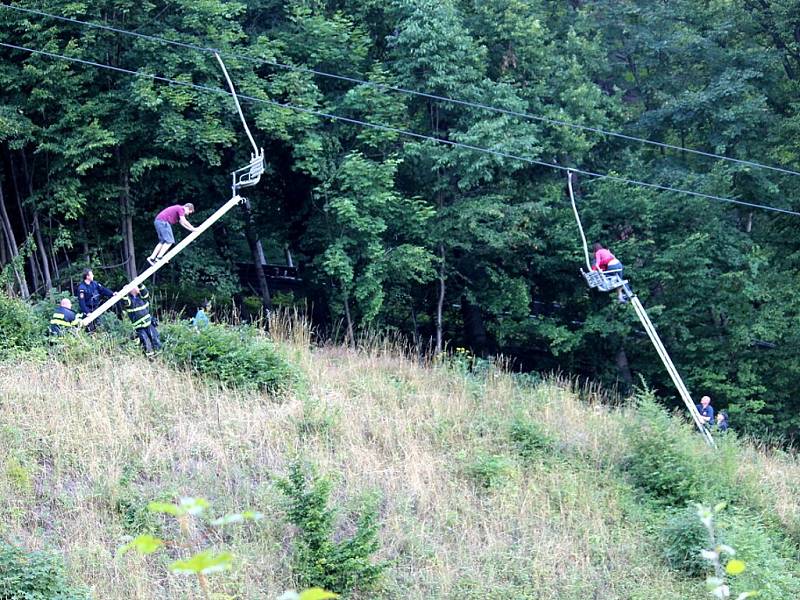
(320, 560)
(240, 356)
(34, 576)
(437, 242)
(21, 329)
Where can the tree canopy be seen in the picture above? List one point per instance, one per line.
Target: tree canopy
(435, 241)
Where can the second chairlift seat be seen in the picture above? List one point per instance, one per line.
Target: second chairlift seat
(251, 174)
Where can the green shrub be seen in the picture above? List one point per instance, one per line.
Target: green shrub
(528, 438)
(772, 564)
(489, 470)
(34, 576)
(341, 566)
(683, 537)
(661, 462)
(21, 328)
(241, 356)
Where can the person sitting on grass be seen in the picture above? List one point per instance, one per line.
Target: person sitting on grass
(164, 222)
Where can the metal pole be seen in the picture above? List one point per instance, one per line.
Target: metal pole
(167, 257)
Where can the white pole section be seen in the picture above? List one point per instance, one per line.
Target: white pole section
(578, 219)
(238, 106)
(167, 257)
(670, 366)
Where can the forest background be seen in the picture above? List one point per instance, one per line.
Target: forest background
(441, 244)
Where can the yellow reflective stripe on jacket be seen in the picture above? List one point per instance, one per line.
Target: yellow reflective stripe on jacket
(144, 306)
(58, 319)
(143, 322)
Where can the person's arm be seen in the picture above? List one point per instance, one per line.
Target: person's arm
(82, 301)
(144, 293)
(105, 291)
(186, 223)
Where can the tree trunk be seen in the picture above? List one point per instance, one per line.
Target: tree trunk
(440, 303)
(288, 253)
(128, 248)
(37, 230)
(624, 368)
(36, 271)
(417, 344)
(351, 338)
(11, 242)
(84, 241)
(257, 254)
(4, 259)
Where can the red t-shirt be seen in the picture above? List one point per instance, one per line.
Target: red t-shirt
(602, 257)
(171, 214)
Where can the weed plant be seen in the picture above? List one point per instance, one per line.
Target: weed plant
(36, 575)
(241, 356)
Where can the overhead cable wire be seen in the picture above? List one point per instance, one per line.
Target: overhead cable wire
(407, 133)
(402, 90)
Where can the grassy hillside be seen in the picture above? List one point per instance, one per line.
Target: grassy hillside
(486, 485)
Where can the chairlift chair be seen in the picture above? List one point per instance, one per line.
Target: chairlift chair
(603, 282)
(249, 175)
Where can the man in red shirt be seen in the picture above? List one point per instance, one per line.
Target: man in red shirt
(164, 222)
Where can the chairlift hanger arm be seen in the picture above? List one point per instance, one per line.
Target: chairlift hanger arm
(238, 106)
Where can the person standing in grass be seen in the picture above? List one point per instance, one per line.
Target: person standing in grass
(706, 411)
(164, 221)
(90, 292)
(137, 307)
(722, 421)
(64, 318)
(200, 319)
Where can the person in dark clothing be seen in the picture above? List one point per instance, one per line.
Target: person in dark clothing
(706, 411)
(90, 293)
(64, 318)
(137, 307)
(722, 421)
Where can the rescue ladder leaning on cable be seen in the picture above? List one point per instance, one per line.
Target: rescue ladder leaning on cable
(246, 176)
(596, 279)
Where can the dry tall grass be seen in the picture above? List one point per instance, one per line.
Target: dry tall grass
(91, 442)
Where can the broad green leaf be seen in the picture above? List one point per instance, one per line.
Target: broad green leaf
(144, 544)
(247, 515)
(166, 508)
(194, 506)
(190, 506)
(205, 562)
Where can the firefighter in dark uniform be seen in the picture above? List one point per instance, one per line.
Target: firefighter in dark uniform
(90, 293)
(64, 318)
(137, 307)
